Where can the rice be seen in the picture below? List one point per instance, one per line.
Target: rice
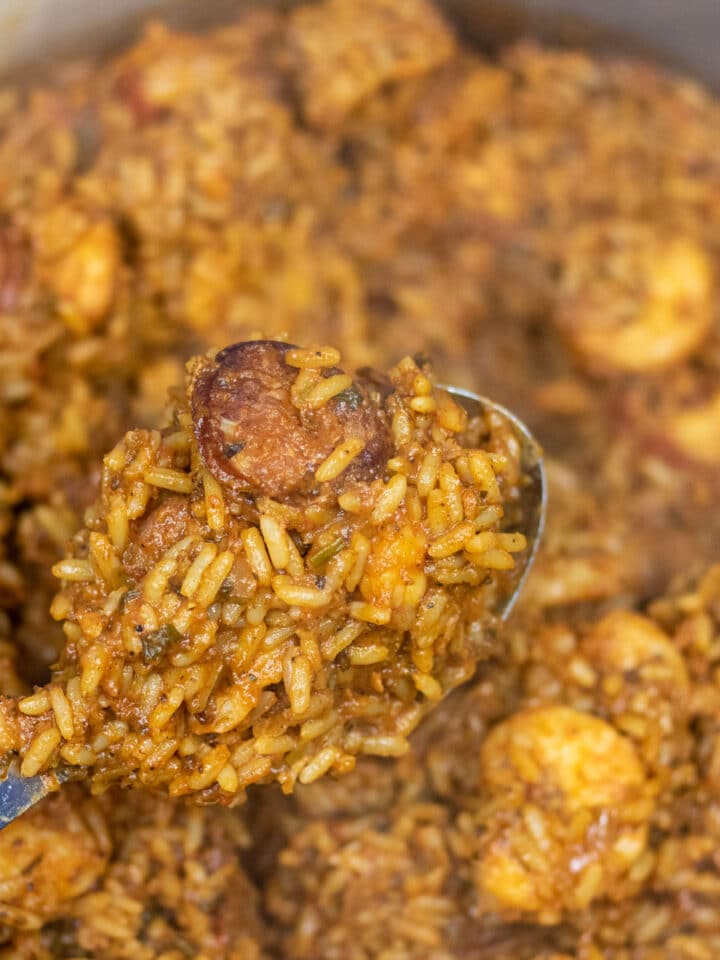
(423, 404)
(195, 571)
(361, 551)
(313, 357)
(298, 683)
(370, 613)
(428, 472)
(240, 626)
(374, 201)
(484, 474)
(296, 595)
(438, 517)
(372, 820)
(118, 526)
(276, 542)
(39, 751)
(92, 669)
(63, 713)
(100, 854)
(36, 704)
(156, 581)
(512, 542)
(385, 746)
(367, 654)
(77, 755)
(168, 479)
(495, 560)
(324, 390)
(214, 502)
(213, 577)
(75, 569)
(319, 765)
(428, 686)
(341, 458)
(257, 555)
(389, 499)
(452, 541)
(271, 745)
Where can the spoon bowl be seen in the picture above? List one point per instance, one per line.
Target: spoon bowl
(18, 794)
(529, 517)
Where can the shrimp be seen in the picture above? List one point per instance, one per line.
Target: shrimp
(630, 643)
(642, 684)
(84, 278)
(695, 431)
(634, 299)
(569, 803)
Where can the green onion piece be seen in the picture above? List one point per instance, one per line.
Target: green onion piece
(327, 552)
(156, 643)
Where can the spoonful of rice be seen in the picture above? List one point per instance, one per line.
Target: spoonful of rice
(288, 576)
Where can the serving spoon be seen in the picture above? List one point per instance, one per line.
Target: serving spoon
(18, 794)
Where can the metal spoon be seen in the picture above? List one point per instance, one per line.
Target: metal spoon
(530, 516)
(18, 794)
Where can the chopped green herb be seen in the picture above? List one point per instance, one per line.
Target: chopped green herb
(232, 449)
(350, 397)
(156, 643)
(128, 597)
(327, 552)
(226, 588)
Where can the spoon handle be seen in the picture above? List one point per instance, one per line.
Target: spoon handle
(18, 794)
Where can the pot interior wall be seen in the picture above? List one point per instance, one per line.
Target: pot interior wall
(683, 33)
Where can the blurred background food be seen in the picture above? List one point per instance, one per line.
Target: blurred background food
(543, 221)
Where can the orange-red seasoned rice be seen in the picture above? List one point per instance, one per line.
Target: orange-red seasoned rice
(544, 223)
